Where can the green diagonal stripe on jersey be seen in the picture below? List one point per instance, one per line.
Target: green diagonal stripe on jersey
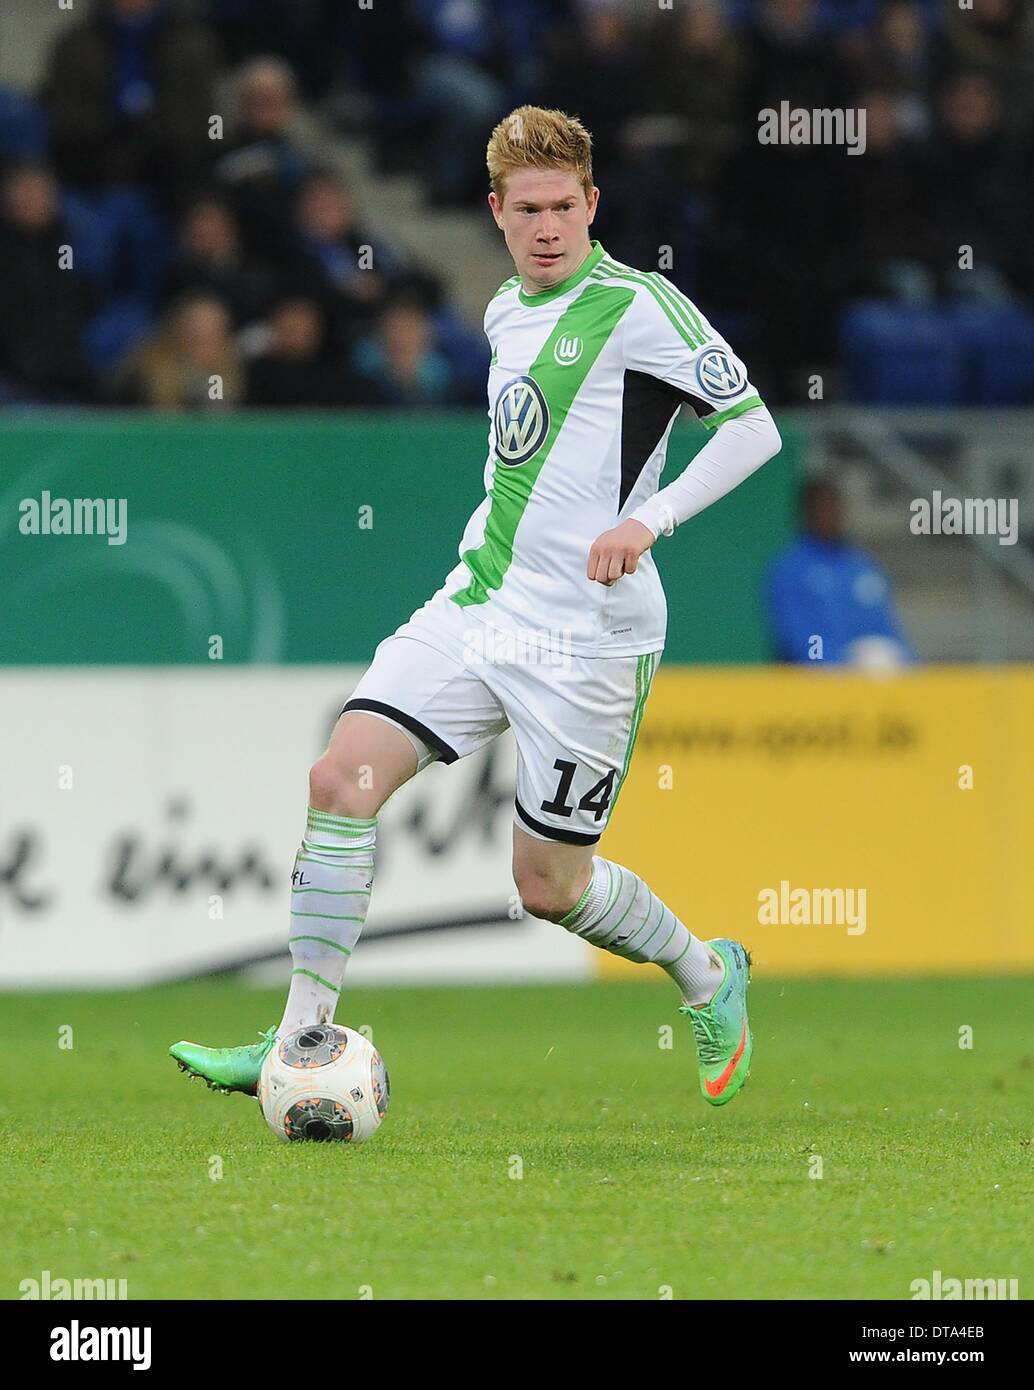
(592, 317)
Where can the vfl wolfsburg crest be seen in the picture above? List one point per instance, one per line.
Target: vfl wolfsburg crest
(720, 375)
(567, 351)
(521, 421)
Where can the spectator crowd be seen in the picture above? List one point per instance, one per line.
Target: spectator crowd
(144, 250)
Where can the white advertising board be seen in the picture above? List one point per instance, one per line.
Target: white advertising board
(149, 819)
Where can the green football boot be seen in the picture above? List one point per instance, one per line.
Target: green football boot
(225, 1068)
(724, 1044)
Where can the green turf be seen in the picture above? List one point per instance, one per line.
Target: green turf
(630, 1182)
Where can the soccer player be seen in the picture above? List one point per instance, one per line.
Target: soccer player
(553, 621)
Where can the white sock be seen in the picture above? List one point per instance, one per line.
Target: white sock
(333, 879)
(619, 913)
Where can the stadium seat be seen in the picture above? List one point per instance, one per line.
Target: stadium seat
(846, 14)
(121, 243)
(998, 340)
(832, 14)
(92, 237)
(465, 350)
(112, 332)
(901, 355)
(23, 128)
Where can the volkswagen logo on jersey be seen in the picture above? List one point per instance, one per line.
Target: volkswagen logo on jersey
(521, 421)
(720, 374)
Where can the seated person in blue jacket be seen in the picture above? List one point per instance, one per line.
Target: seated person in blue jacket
(829, 602)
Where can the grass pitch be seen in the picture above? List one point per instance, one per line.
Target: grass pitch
(539, 1144)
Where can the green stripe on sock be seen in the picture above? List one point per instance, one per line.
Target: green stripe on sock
(344, 825)
(337, 892)
(605, 944)
(318, 978)
(612, 897)
(341, 820)
(309, 843)
(328, 916)
(569, 916)
(334, 945)
(341, 854)
(631, 945)
(685, 948)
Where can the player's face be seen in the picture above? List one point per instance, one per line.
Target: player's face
(545, 219)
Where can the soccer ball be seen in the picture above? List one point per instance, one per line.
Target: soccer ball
(324, 1082)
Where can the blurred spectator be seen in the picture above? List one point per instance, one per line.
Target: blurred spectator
(894, 56)
(249, 28)
(791, 60)
(211, 260)
(882, 214)
(780, 229)
(331, 243)
(129, 93)
(995, 37)
(460, 74)
(822, 587)
(976, 192)
(399, 365)
(390, 41)
(295, 370)
(44, 308)
(773, 240)
(264, 163)
(675, 139)
(442, 74)
(191, 363)
(794, 230)
(598, 72)
(331, 262)
(697, 66)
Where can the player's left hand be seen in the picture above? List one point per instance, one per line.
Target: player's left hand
(617, 552)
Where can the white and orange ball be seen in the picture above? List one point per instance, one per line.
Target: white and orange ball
(324, 1082)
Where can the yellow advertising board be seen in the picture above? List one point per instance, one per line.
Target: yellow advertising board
(835, 822)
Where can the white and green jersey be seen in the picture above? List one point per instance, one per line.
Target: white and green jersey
(585, 383)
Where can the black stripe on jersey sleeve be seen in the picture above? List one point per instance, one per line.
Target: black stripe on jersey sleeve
(646, 408)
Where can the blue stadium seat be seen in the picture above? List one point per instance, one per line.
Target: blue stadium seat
(119, 326)
(832, 14)
(846, 14)
(998, 340)
(23, 129)
(92, 237)
(901, 355)
(464, 348)
(740, 11)
(120, 242)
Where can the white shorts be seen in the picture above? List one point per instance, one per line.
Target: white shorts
(453, 684)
